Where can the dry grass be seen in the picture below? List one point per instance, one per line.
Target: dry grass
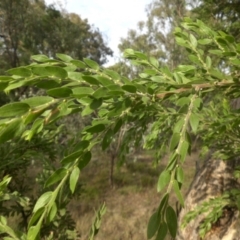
(129, 204)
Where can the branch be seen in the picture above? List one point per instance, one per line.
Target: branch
(197, 87)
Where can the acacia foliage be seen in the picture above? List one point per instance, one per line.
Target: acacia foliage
(161, 109)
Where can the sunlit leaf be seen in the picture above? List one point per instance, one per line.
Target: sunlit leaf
(76, 76)
(87, 111)
(42, 200)
(154, 62)
(38, 101)
(64, 57)
(204, 41)
(163, 180)
(13, 129)
(82, 91)
(78, 63)
(184, 150)
(178, 193)
(33, 232)
(180, 174)
(52, 213)
(21, 71)
(91, 80)
(194, 122)
(36, 215)
(114, 75)
(40, 58)
(193, 41)
(174, 141)
(14, 109)
(92, 64)
(50, 71)
(56, 177)
(104, 81)
(74, 178)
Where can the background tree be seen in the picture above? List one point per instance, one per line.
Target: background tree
(32, 27)
(155, 35)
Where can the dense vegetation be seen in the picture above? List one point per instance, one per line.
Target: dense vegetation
(60, 108)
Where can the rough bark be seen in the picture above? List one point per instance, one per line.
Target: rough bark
(213, 179)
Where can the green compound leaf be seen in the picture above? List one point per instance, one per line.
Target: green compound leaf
(194, 122)
(178, 193)
(14, 109)
(78, 63)
(96, 103)
(74, 178)
(163, 204)
(50, 71)
(174, 141)
(42, 201)
(82, 91)
(100, 92)
(91, 80)
(91, 64)
(204, 41)
(38, 101)
(95, 129)
(33, 232)
(129, 88)
(72, 157)
(13, 129)
(162, 231)
(163, 180)
(180, 175)
(184, 150)
(193, 41)
(85, 160)
(153, 225)
(76, 76)
(56, 177)
(60, 92)
(36, 216)
(114, 75)
(21, 71)
(171, 219)
(48, 84)
(52, 213)
(64, 57)
(40, 58)
(154, 62)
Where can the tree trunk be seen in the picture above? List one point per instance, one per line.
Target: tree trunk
(212, 180)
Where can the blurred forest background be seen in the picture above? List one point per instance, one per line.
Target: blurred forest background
(29, 27)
